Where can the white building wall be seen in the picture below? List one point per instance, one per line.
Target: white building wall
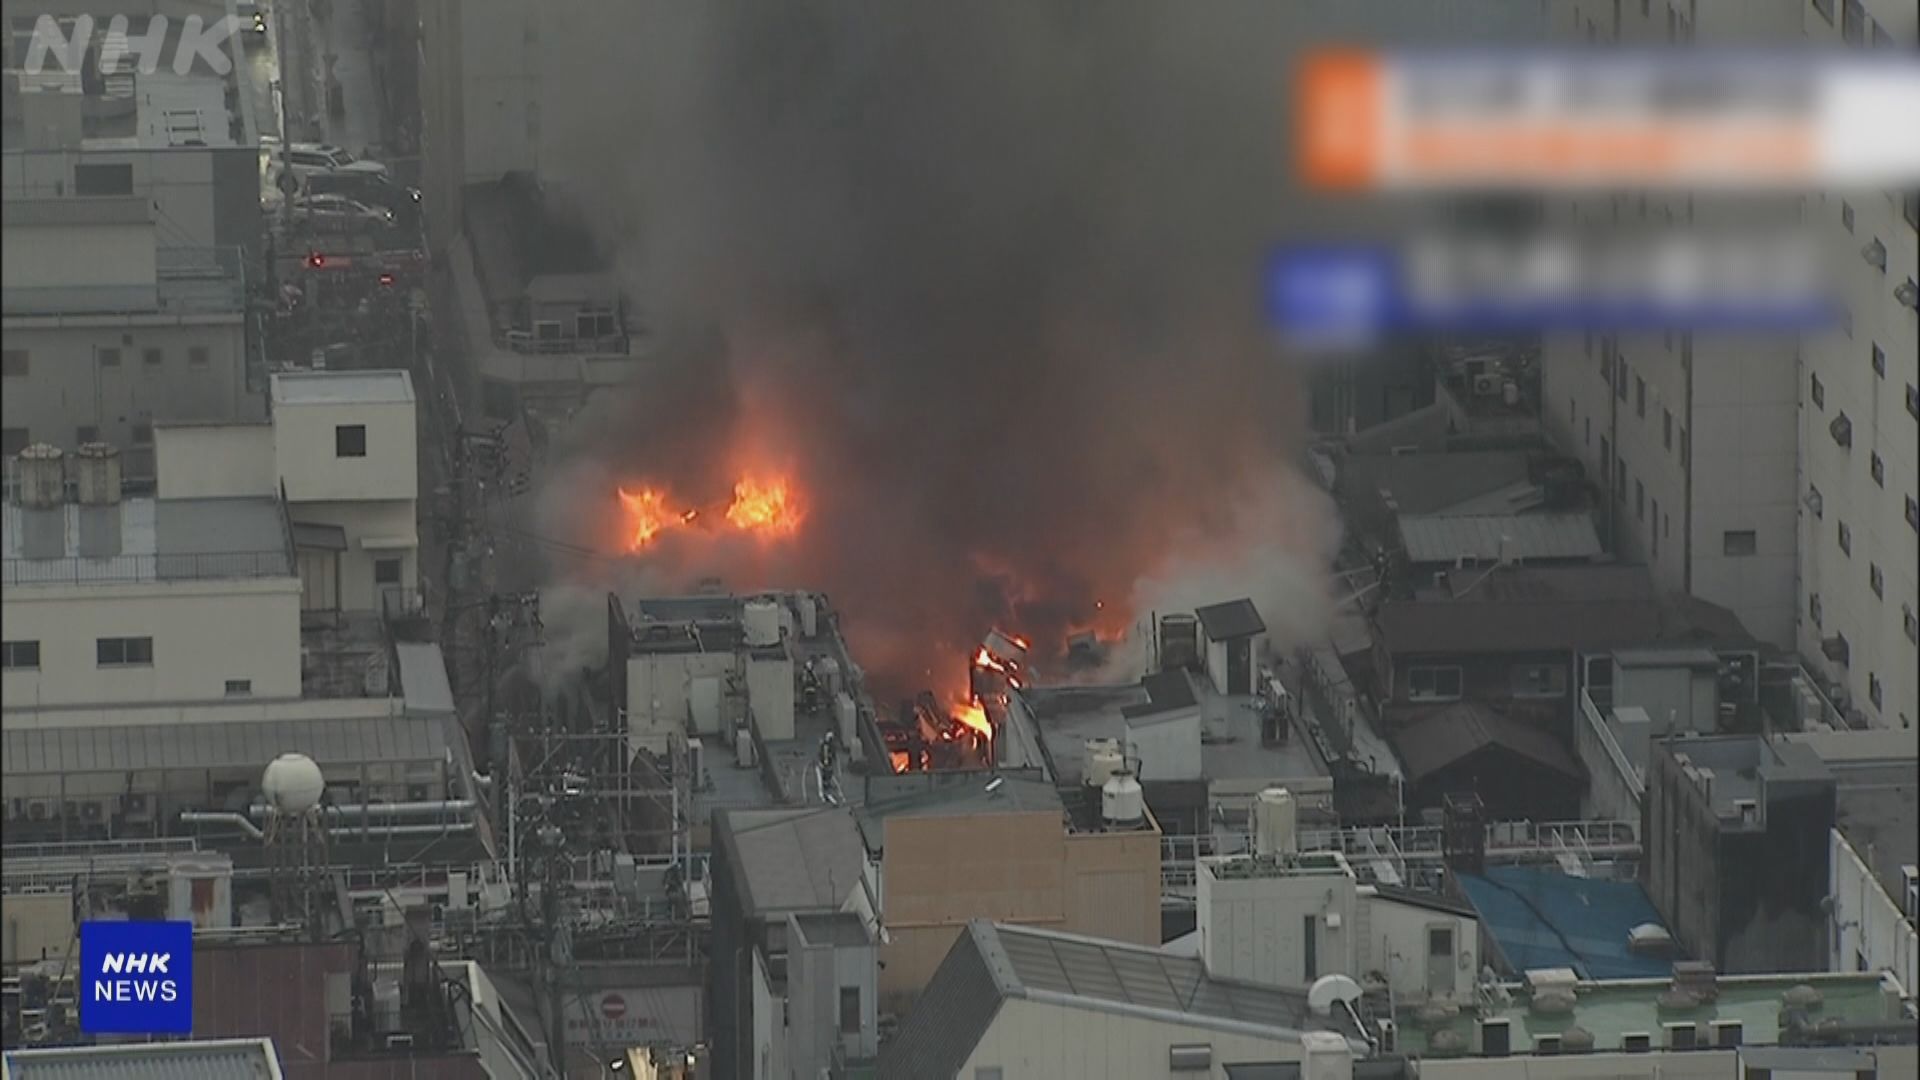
(1041, 1039)
(120, 254)
(1168, 746)
(375, 531)
(204, 633)
(179, 183)
(1396, 945)
(1691, 1065)
(1253, 928)
(659, 686)
(306, 449)
(770, 692)
(209, 461)
(1867, 931)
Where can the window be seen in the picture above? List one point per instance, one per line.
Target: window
(92, 180)
(85, 434)
(1816, 503)
(1878, 470)
(15, 363)
(849, 1010)
(20, 655)
(1913, 514)
(124, 652)
(1310, 942)
(153, 358)
(1913, 401)
(1879, 360)
(386, 571)
(1739, 542)
(1842, 430)
(1685, 457)
(1874, 695)
(1433, 683)
(1875, 581)
(1817, 390)
(13, 440)
(197, 356)
(1846, 215)
(108, 357)
(1666, 428)
(350, 440)
(1539, 680)
(1909, 623)
(239, 687)
(1846, 540)
(1640, 396)
(1813, 608)
(1620, 384)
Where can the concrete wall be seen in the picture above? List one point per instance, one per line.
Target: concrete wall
(940, 872)
(1393, 939)
(38, 926)
(1613, 782)
(202, 196)
(658, 685)
(1867, 930)
(204, 633)
(1692, 1065)
(1168, 747)
(379, 524)
(212, 461)
(770, 692)
(170, 369)
(1032, 1039)
(1254, 928)
(304, 447)
(115, 255)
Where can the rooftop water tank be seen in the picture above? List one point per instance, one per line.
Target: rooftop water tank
(1121, 804)
(43, 477)
(1103, 761)
(97, 474)
(293, 784)
(1276, 823)
(762, 623)
(809, 609)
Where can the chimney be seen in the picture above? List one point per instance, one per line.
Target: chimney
(97, 469)
(41, 494)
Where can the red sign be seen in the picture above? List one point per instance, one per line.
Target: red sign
(613, 1006)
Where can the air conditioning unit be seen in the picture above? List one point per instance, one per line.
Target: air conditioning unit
(1496, 1037)
(39, 809)
(1636, 1042)
(1486, 385)
(1682, 1036)
(418, 793)
(1875, 253)
(1546, 1044)
(1727, 1034)
(91, 812)
(137, 808)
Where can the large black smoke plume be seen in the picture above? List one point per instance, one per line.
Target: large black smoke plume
(982, 278)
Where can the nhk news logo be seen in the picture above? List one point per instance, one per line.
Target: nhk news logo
(136, 978)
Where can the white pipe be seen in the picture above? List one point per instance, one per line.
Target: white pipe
(239, 821)
(383, 810)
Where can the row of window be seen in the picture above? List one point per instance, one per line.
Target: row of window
(108, 652)
(1445, 682)
(18, 363)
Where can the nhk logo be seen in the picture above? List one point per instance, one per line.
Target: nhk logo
(198, 40)
(137, 978)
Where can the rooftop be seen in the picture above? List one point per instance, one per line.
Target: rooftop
(992, 962)
(1746, 766)
(1450, 483)
(1436, 738)
(1444, 538)
(953, 794)
(342, 388)
(147, 540)
(1542, 918)
(1233, 619)
(1877, 801)
(1611, 1010)
(222, 744)
(1536, 609)
(200, 1059)
(1230, 744)
(792, 860)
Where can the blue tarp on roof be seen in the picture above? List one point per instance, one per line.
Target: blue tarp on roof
(1546, 919)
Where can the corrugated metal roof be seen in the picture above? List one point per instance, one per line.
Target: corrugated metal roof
(233, 744)
(423, 678)
(1443, 538)
(214, 1059)
(793, 860)
(952, 1014)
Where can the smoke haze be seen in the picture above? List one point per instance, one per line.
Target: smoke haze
(983, 280)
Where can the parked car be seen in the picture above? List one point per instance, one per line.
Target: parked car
(306, 159)
(374, 189)
(340, 212)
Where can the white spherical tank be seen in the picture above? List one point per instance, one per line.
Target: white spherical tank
(1276, 823)
(762, 623)
(1103, 761)
(293, 784)
(1121, 803)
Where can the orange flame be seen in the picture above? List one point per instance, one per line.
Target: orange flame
(985, 659)
(648, 512)
(764, 508)
(970, 713)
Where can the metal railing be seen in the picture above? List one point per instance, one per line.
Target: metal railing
(525, 343)
(131, 569)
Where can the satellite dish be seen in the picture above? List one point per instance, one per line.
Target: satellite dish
(293, 784)
(1328, 989)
